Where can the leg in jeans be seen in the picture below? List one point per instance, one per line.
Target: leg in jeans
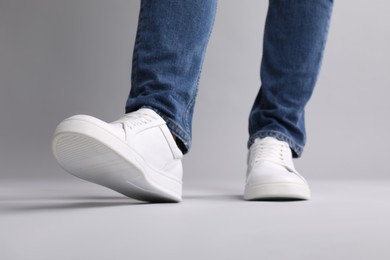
(137, 155)
(294, 40)
(170, 44)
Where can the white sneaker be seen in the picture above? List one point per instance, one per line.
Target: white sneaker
(271, 173)
(135, 155)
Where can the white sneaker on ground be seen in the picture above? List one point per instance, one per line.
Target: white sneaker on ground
(135, 155)
(271, 173)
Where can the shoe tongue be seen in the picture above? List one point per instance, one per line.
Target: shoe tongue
(269, 139)
(147, 111)
(140, 113)
(140, 119)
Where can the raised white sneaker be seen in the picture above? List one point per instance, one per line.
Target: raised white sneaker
(135, 155)
(271, 173)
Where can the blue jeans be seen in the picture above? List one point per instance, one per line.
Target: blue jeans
(169, 49)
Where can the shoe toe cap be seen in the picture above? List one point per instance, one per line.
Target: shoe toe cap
(268, 172)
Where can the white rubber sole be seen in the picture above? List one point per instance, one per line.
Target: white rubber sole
(85, 148)
(275, 191)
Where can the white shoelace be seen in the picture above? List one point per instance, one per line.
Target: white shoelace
(269, 149)
(135, 120)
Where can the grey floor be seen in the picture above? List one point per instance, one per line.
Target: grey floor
(78, 220)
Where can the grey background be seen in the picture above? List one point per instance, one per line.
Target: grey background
(59, 58)
(65, 57)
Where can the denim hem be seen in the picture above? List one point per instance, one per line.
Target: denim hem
(180, 134)
(296, 148)
(175, 129)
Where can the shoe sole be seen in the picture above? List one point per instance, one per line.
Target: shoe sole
(85, 148)
(275, 191)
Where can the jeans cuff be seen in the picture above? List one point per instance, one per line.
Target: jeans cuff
(296, 148)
